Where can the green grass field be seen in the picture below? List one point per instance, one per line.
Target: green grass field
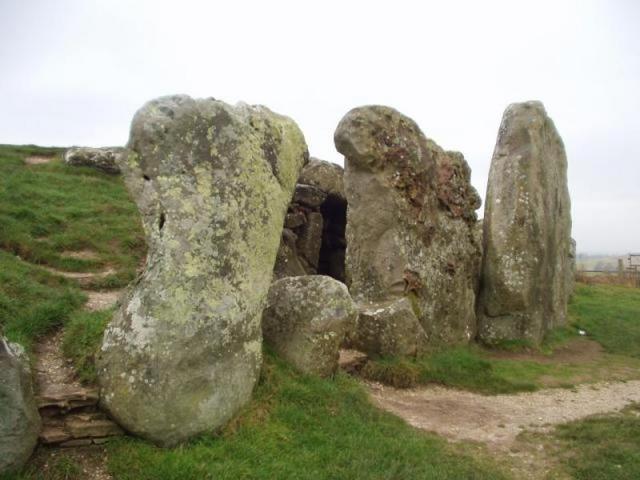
(296, 427)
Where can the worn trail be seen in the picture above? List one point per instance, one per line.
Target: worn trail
(68, 409)
(497, 420)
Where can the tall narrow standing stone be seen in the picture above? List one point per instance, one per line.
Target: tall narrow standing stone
(527, 230)
(212, 182)
(410, 226)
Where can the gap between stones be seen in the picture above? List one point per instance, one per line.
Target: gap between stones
(70, 415)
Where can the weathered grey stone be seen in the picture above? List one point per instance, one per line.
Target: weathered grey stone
(19, 418)
(410, 222)
(527, 230)
(295, 219)
(310, 239)
(477, 239)
(106, 159)
(327, 176)
(388, 329)
(306, 320)
(571, 271)
(309, 196)
(212, 182)
(288, 262)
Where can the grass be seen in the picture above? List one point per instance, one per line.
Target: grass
(82, 339)
(602, 447)
(296, 427)
(302, 427)
(462, 367)
(610, 315)
(49, 210)
(33, 301)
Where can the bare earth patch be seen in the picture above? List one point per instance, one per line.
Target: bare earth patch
(83, 278)
(52, 367)
(101, 300)
(497, 420)
(80, 254)
(511, 428)
(38, 159)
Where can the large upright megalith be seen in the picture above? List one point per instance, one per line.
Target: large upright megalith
(212, 182)
(525, 281)
(410, 227)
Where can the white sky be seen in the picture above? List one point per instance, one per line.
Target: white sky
(74, 72)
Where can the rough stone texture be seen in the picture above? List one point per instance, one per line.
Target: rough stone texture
(309, 196)
(105, 159)
(327, 176)
(306, 320)
(571, 271)
(527, 230)
(212, 182)
(19, 419)
(310, 239)
(477, 239)
(410, 222)
(313, 239)
(288, 261)
(388, 329)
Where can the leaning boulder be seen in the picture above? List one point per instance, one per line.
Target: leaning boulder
(104, 159)
(212, 182)
(19, 417)
(306, 320)
(410, 222)
(527, 230)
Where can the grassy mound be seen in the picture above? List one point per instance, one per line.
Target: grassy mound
(49, 212)
(296, 426)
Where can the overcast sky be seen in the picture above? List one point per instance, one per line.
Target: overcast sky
(74, 73)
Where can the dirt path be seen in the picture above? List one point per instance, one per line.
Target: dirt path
(83, 278)
(497, 420)
(96, 299)
(52, 367)
(56, 377)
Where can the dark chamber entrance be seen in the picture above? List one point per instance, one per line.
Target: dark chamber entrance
(334, 244)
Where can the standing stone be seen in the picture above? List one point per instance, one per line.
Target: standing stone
(527, 230)
(212, 182)
(572, 270)
(306, 320)
(105, 159)
(410, 222)
(19, 417)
